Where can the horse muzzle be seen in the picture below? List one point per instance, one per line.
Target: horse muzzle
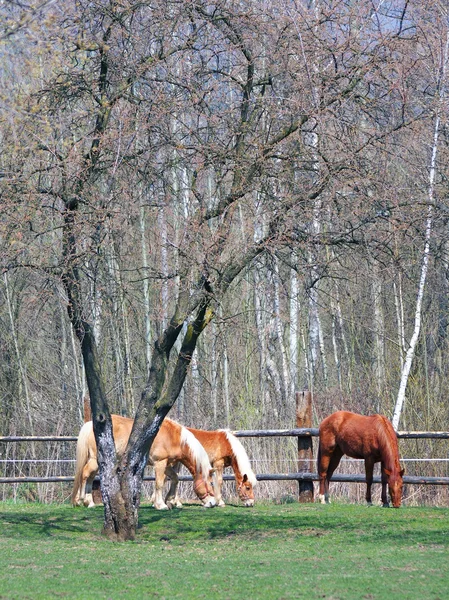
(209, 502)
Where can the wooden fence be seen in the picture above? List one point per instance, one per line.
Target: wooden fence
(305, 433)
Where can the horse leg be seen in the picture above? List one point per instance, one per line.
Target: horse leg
(384, 496)
(369, 468)
(322, 466)
(159, 474)
(327, 463)
(172, 499)
(218, 466)
(333, 464)
(89, 472)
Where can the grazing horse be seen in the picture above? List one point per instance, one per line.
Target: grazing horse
(172, 444)
(224, 450)
(371, 438)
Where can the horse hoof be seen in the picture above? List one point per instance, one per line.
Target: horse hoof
(161, 507)
(221, 504)
(386, 505)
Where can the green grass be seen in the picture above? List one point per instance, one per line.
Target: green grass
(269, 552)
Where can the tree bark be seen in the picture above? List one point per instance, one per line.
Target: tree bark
(426, 252)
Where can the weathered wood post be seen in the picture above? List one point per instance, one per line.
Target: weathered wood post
(305, 446)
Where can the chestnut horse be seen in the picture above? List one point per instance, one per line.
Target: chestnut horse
(371, 438)
(224, 450)
(172, 443)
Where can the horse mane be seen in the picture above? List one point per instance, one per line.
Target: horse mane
(240, 456)
(199, 453)
(82, 452)
(388, 439)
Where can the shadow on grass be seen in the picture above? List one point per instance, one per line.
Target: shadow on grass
(353, 524)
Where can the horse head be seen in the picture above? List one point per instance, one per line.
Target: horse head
(395, 484)
(204, 490)
(246, 491)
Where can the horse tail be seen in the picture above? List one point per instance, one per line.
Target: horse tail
(200, 457)
(240, 456)
(82, 453)
(318, 459)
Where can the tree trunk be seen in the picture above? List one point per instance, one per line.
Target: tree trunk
(22, 375)
(146, 287)
(294, 327)
(425, 259)
(379, 332)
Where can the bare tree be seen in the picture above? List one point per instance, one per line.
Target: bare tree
(130, 94)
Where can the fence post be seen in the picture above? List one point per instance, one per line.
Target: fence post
(305, 447)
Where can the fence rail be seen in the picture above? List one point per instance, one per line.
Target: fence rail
(299, 476)
(352, 478)
(302, 432)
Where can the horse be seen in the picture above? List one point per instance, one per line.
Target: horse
(371, 438)
(223, 450)
(172, 444)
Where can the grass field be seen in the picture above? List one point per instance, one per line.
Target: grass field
(269, 552)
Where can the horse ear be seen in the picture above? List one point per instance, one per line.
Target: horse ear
(245, 478)
(211, 472)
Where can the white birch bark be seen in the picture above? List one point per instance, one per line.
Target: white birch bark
(294, 329)
(120, 333)
(280, 336)
(335, 343)
(24, 392)
(425, 259)
(399, 308)
(214, 372)
(341, 323)
(414, 339)
(226, 395)
(162, 225)
(261, 336)
(146, 288)
(316, 339)
(379, 333)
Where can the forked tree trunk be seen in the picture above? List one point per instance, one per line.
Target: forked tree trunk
(121, 481)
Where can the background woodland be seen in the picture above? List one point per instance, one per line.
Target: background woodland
(305, 141)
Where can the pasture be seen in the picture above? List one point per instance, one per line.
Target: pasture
(273, 551)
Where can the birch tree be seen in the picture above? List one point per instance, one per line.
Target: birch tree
(440, 96)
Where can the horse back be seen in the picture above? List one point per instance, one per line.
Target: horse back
(121, 428)
(356, 435)
(167, 443)
(215, 443)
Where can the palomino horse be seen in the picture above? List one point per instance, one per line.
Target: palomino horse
(371, 438)
(172, 444)
(224, 450)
